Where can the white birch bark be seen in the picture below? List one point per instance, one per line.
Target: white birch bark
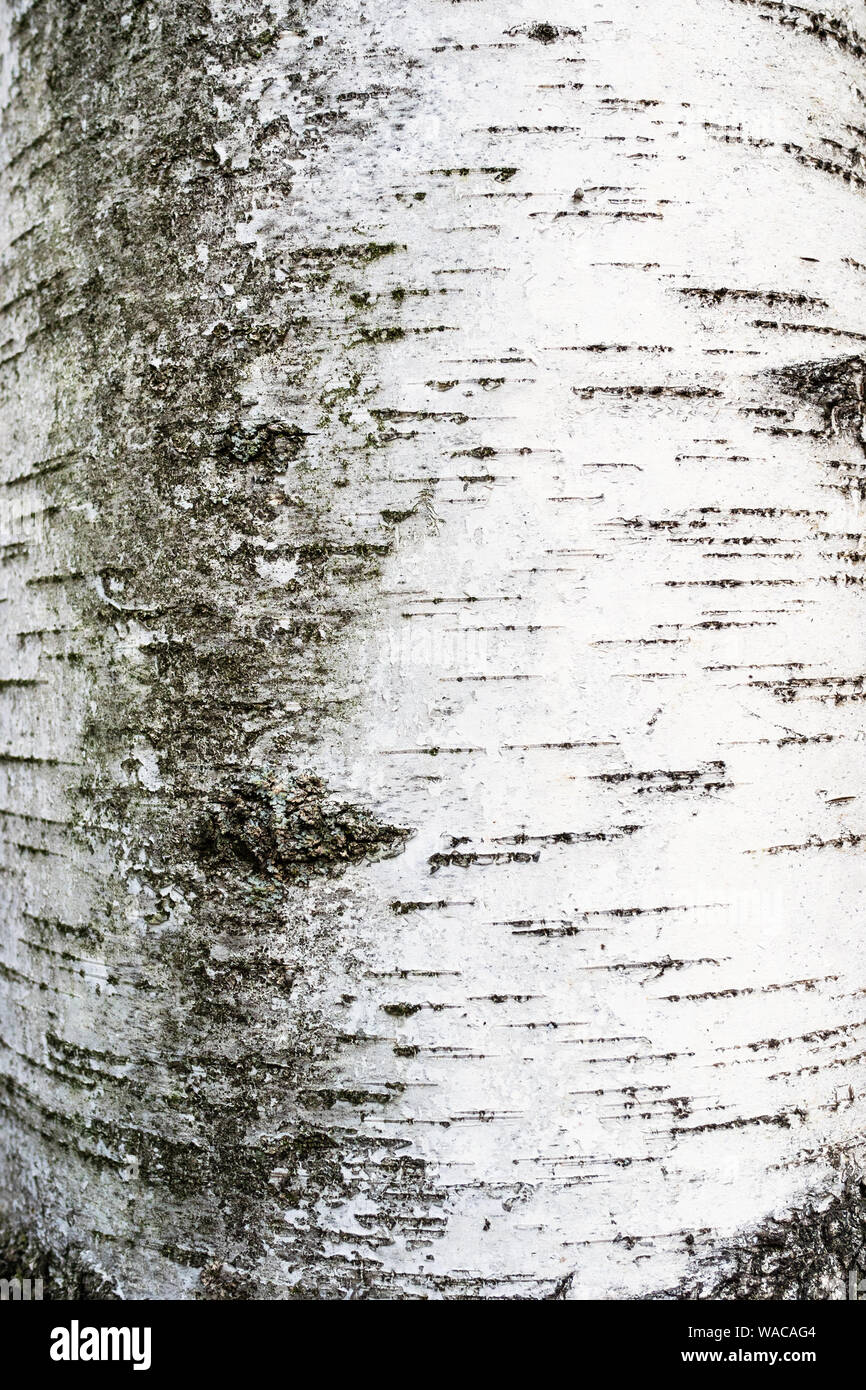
(433, 748)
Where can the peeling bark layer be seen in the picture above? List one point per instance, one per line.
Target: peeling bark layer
(432, 700)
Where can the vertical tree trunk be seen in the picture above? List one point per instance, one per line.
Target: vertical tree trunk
(432, 733)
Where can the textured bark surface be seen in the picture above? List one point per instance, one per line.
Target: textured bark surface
(432, 701)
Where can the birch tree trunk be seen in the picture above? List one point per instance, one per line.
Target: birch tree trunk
(433, 747)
